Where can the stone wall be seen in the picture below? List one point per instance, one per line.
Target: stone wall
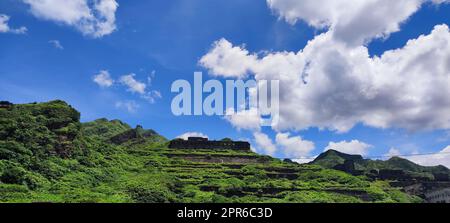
(205, 144)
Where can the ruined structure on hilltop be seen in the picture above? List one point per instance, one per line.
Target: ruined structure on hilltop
(5, 104)
(204, 143)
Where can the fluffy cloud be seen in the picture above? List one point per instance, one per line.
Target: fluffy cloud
(294, 146)
(130, 106)
(332, 85)
(4, 27)
(441, 158)
(290, 147)
(352, 147)
(352, 21)
(264, 143)
(247, 119)
(228, 60)
(95, 18)
(103, 79)
(132, 84)
(186, 135)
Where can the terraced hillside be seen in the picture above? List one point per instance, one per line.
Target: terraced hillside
(47, 155)
(395, 168)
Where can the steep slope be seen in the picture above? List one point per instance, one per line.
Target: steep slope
(47, 155)
(332, 158)
(397, 167)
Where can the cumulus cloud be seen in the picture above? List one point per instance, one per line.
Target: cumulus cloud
(352, 21)
(264, 143)
(4, 26)
(186, 135)
(95, 18)
(103, 79)
(294, 146)
(352, 147)
(130, 106)
(441, 158)
(290, 146)
(132, 84)
(228, 60)
(57, 44)
(246, 119)
(332, 85)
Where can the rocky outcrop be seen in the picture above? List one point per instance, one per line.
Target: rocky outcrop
(138, 133)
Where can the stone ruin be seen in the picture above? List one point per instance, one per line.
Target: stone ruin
(204, 143)
(5, 104)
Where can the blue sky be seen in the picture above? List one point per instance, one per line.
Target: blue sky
(164, 41)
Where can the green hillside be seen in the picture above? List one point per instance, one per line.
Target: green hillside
(47, 155)
(395, 167)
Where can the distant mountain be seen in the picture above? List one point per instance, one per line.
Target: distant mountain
(395, 168)
(47, 155)
(331, 158)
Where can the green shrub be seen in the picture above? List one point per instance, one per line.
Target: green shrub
(149, 194)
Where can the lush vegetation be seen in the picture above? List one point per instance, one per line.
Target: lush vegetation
(409, 170)
(47, 155)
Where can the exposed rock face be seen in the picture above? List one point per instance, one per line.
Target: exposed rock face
(349, 167)
(204, 143)
(132, 134)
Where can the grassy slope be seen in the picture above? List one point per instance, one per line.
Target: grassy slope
(332, 158)
(46, 155)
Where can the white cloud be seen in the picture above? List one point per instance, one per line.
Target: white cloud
(291, 147)
(441, 158)
(393, 152)
(352, 21)
(103, 79)
(4, 26)
(246, 119)
(152, 96)
(264, 143)
(227, 60)
(132, 84)
(332, 85)
(186, 135)
(95, 18)
(302, 160)
(57, 44)
(130, 106)
(294, 146)
(353, 147)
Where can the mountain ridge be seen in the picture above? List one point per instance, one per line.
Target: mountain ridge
(356, 164)
(48, 155)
